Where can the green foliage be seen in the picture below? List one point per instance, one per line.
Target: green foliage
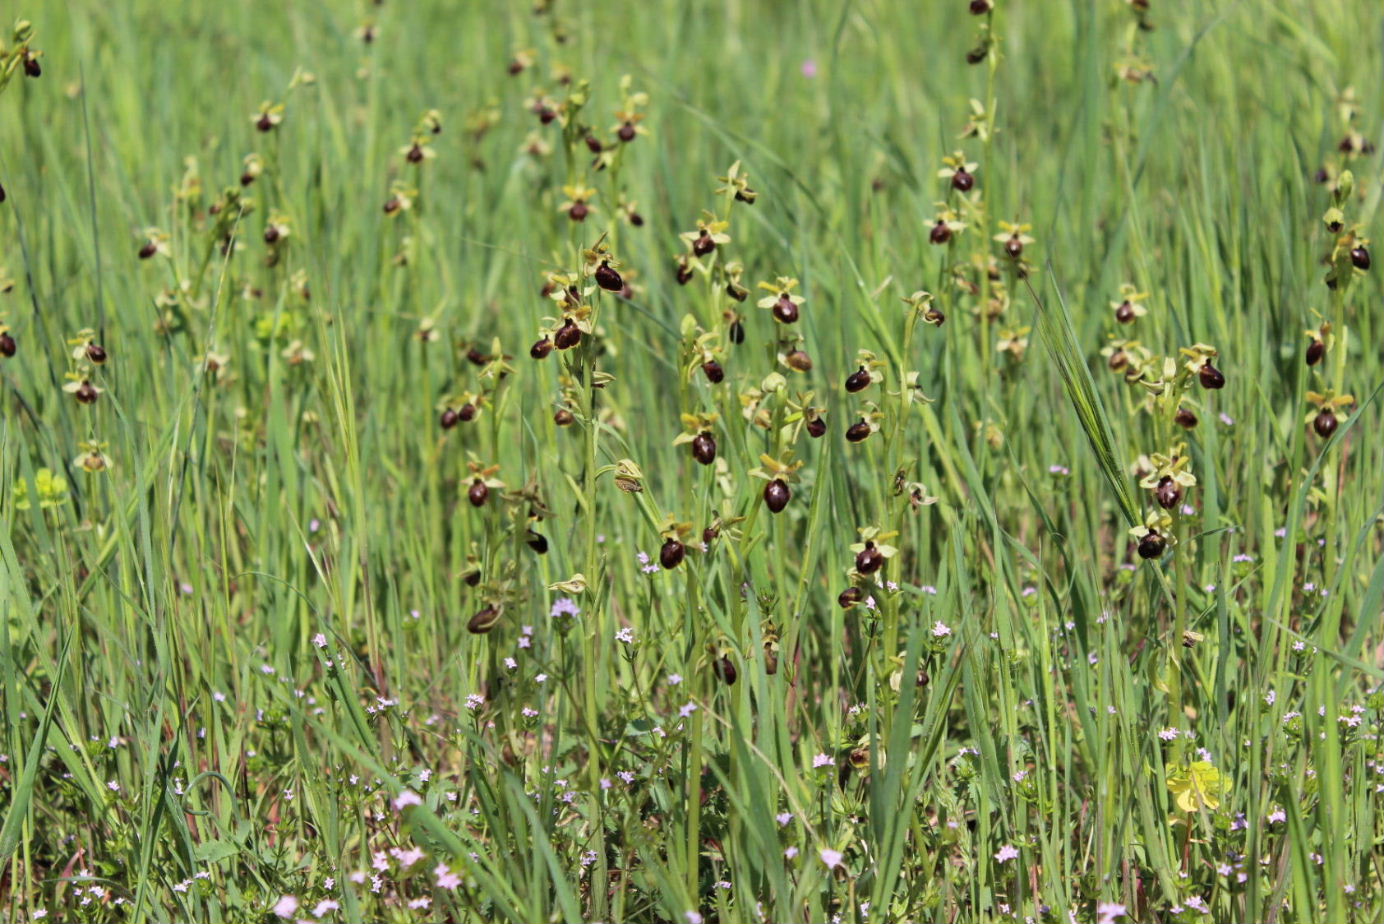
(547, 461)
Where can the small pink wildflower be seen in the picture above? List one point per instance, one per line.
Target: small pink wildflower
(1107, 912)
(446, 879)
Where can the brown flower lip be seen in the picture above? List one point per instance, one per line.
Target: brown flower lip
(1152, 545)
(1168, 492)
(541, 348)
(869, 559)
(1211, 377)
(940, 233)
(1325, 423)
(962, 181)
(484, 620)
(858, 431)
(477, 493)
(96, 353)
(1360, 258)
(1315, 351)
(786, 310)
(725, 669)
(859, 380)
(7, 346)
(704, 448)
(714, 373)
(849, 597)
(607, 278)
(670, 555)
(776, 495)
(148, 250)
(1185, 418)
(449, 419)
(568, 336)
(816, 428)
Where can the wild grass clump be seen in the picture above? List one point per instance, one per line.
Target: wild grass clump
(691, 462)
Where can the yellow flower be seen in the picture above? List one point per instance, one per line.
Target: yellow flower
(52, 490)
(1201, 785)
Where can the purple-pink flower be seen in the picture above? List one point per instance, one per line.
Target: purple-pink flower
(446, 879)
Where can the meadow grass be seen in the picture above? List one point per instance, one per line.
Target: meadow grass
(325, 600)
